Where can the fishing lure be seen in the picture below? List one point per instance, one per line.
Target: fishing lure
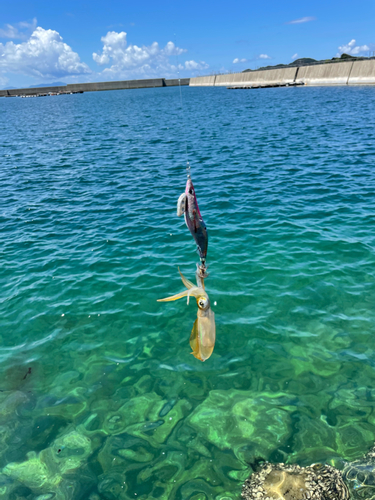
(203, 334)
(188, 205)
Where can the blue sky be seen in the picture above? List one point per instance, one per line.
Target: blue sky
(45, 41)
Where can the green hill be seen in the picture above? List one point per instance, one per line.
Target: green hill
(303, 61)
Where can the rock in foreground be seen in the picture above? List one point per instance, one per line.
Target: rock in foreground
(292, 482)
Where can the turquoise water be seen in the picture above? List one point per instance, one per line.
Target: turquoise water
(100, 397)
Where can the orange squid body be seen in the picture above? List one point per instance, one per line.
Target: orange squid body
(203, 335)
(202, 338)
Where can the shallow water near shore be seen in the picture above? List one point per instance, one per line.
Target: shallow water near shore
(100, 397)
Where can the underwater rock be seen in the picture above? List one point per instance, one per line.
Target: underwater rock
(6, 486)
(141, 455)
(112, 486)
(313, 440)
(143, 409)
(59, 470)
(10, 401)
(33, 473)
(12, 434)
(68, 452)
(360, 476)
(292, 482)
(227, 419)
(141, 417)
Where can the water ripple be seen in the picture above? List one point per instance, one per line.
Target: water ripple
(95, 367)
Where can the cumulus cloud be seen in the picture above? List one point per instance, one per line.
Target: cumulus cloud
(352, 49)
(302, 20)
(237, 60)
(44, 54)
(19, 30)
(294, 56)
(193, 65)
(127, 60)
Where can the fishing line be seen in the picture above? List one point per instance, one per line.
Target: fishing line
(203, 334)
(182, 112)
(194, 220)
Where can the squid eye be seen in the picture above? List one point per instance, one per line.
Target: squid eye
(191, 191)
(202, 303)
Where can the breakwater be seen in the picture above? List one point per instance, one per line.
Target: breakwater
(335, 73)
(97, 86)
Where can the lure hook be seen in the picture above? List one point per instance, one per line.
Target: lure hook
(201, 273)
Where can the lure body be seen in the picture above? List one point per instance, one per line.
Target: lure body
(203, 335)
(187, 204)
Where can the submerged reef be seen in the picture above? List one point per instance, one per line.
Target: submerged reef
(58, 471)
(236, 415)
(164, 439)
(109, 429)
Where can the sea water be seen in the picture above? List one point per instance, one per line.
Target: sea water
(100, 397)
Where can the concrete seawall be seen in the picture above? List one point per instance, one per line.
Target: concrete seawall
(362, 73)
(267, 77)
(34, 91)
(99, 86)
(338, 73)
(120, 85)
(174, 82)
(325, 74)
(202, 81)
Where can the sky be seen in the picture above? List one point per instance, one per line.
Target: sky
(85, 41)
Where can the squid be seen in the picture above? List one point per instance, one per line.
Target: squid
(203, 334)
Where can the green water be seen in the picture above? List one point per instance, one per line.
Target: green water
(100, 397)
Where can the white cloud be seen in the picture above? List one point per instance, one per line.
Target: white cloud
(192, 65)
(264, 56)
(237, 60)
(294, 56)
(302, 20)
(128, 60)
(352, 49)
(20, 30)
(9, 32)
(44, 54)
